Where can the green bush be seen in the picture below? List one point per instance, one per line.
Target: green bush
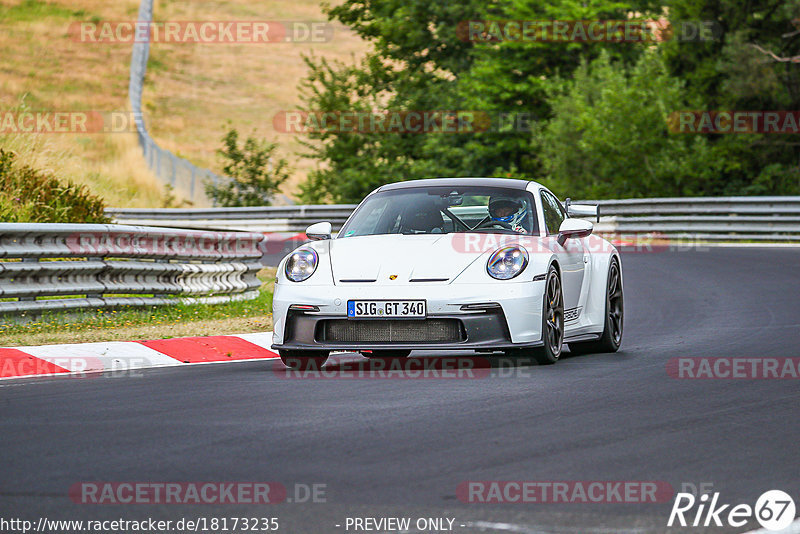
(608, 137)
(30, 195)
(255, 171)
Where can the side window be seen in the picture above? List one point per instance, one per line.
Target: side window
(553, 213)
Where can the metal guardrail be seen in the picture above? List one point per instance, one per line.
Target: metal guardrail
(100, 265)
(707, 218)
(261, 219)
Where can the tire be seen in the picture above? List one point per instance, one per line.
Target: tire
(303, 360)
(386, 354)
(614, 317)
(552, 324)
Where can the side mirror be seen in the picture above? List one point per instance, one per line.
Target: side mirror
(582, 210)
(574, 229)
(319, 231)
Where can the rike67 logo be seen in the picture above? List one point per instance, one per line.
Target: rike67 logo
(774, 510)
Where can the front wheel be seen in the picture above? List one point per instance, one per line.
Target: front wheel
(552, 324)
(614, 316)
(303, 360)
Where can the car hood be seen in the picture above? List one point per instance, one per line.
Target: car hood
(428, 257)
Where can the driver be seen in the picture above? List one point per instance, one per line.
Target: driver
(508, 211)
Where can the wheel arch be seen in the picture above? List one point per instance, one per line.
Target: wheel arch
(554, 263)
(596, 300)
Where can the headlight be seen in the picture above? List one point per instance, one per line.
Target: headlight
(301, 264)
(507, 262)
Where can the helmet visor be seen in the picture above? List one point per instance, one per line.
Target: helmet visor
(503, 209)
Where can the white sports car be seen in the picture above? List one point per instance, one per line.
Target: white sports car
(484, 264)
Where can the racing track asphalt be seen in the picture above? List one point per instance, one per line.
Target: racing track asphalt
(401, 447)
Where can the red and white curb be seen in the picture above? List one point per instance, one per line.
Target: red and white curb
(121, 356)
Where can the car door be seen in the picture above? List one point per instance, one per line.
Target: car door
(570, 255)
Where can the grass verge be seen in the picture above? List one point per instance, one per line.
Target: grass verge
(131, 324)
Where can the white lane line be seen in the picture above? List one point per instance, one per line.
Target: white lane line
(794, 528)
(519, 529)
(8, 381)
(750, 245)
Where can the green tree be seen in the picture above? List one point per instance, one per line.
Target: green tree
(747, 65)
(514, 76)
(256, 173)
(420, 62)
(609, 138)
(414, 65)
(423, 60)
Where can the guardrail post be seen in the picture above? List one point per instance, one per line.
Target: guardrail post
(28, 260)
(94, 294)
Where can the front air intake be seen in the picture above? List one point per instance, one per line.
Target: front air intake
(392, 331)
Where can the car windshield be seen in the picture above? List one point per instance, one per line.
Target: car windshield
(444, 210)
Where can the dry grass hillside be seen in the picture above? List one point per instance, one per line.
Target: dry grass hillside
(43, 69)
(191, 92)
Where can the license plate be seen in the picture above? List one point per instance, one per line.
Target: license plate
(386, 308)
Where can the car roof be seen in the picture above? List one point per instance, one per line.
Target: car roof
(509, 183)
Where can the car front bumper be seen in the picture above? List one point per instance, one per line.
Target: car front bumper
(492, 317)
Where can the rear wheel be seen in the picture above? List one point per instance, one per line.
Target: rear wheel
(552, 324)
(303, 360)
(386, 354)
(614, 317)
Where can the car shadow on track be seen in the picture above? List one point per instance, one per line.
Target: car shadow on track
(449, 365)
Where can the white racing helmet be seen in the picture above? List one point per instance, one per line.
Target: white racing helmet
(502, 204)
